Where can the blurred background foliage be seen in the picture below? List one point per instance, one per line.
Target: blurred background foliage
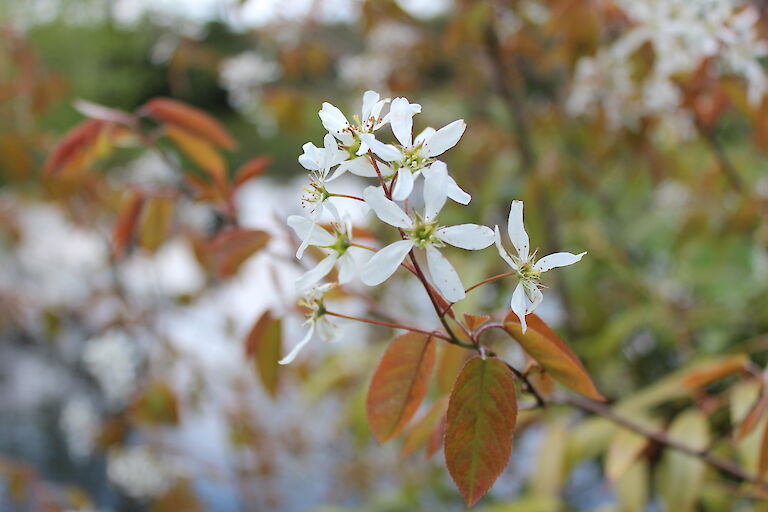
(669, 202)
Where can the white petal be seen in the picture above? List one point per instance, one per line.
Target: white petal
(309, 159)
(328, 204)
(333, 119)
(444, 276)
(376, 114)
(369, 100)
(386, 152)
(467, 236)
(516, 230)
(502, 251)
(435, 192)
(386, 210)
(310, 232)
(401, 114)
(347, 268)
(314, 275)
(327, 330)
(456, 193)
(300, 345)
(424, 135)
(444, 138)
(384, 263)
(558, 259)
(534, 303)
(403, 185)
(519, 304)
(360, 166)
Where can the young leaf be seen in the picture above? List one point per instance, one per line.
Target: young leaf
(551, 352)
(452, 360)
(716, 370)
(480, 424)
(251, 169)
(474, 321)
(156, 222)
(126, 223)
(264, 345)
(199, 151)
(421, 432)
(230, 249)
(76, 142)
(753, 417)
(192, 119)
(399, 384)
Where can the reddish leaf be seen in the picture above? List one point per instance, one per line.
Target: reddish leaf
(399, 384)
(436, 439)
(480, 424)
(452, 359)
(190, 118)
(753, 417)
(126, 223)
(762, 460)
(229, 249)
(475, 321)
(251, 169)
(74, 143)
(422, 431)
(704, 375)
(546, 348)
(199, 151)
(264, 345)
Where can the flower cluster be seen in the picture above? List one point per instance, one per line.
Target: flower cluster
(399, 168)
(683, 36)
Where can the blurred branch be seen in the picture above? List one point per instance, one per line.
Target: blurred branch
(723, 160)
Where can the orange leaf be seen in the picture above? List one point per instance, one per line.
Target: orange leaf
(229, 249)
(762, 461)
(126, 223)
(452, 360)
(718, 369)
(753, 417)
(551, 352)
(422, 431)
(475, 321)
(264, 345)
(436, 439)
(77, 141)
(482, 412)
(199, 151)
(190, 118)
(399, 384)
(251, 169)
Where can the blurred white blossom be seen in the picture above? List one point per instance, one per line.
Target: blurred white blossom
(141, 473)
(113, 361)
(80, 425)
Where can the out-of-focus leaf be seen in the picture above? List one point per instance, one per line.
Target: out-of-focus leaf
(76, 143)
(546, 347)
(229, 249)
(422, 430)
(762, 459)
(632, 487)
(543, 383)
(251, 169)
(452, 358)
(753, 417)
(190, 119)
(157, 405)
(715, 370)
(475, 321)
(437, 438)
(480, 424)
(681, 476)
(623, 451)
(156, 222)
(125, 226)
(527, 504)
(548, 475)
(264, 345)
(181, 497)
(399, 384)
(743, 397)
(199, 151)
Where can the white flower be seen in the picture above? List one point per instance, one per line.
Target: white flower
(338, 242)
(319, 162)
(414, 155)
(80, 425)
(423, 232)
(313, 300)
(527, 295)
(112, 360)
(140, 472)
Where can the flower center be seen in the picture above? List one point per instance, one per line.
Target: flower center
(527, 272)
(424, 233)
(314, 193)
(413, 159)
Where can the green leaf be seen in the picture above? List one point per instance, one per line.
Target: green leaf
(481, 419)
(399, 384)
(681, 476)
(551, 352)
(264, 344)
